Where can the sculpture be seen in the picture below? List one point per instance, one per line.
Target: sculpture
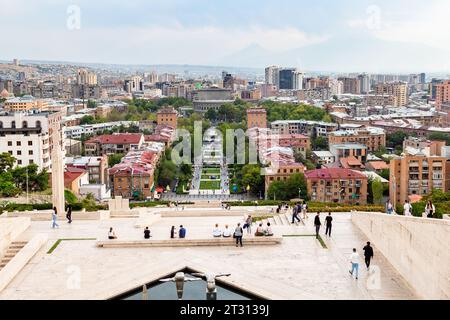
(211, 290)
(179, 280)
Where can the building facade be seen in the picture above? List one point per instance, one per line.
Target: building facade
(256, 118)
(397, 89)
(416, 175)
(373, 138)
(337, 185)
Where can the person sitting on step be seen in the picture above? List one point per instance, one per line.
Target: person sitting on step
(259, 231)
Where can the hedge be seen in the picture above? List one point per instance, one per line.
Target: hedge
(46, 206)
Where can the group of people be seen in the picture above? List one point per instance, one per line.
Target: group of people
(181, 232)
(430, 209)
(55, 216)
(299, 208)
(354, 259)
(328, 224)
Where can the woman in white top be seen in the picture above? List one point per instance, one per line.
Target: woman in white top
(111, 234)
(407, 208)
(226, 232)
(268, 232)
(217, 233)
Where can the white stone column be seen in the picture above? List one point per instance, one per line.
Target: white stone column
(57, 160)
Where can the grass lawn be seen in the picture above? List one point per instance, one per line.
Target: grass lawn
(210, 185)
(211, 171)
(208, 177)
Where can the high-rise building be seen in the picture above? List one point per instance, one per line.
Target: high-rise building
(364, 83)
(228, 80)
(442, 94)
(272, 74)
(290, 79)
(85, 77)
(134, 84)
(423, 77)
(351, 85)
(397, 89)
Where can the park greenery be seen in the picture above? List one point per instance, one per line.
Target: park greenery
(169, 174)
(293, 111)
(292, 188)
(15, 180)
(440, 199)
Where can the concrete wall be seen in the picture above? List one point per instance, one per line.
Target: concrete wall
(19, 261)
(418, 248)
(46, 215)
(10, 229)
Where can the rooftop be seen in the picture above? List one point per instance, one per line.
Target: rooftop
(334, 173)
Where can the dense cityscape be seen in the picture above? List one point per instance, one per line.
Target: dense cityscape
(123, 179)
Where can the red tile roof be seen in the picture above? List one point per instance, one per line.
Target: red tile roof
(378, 165)
(334, 173)
(122, 138)
(71, 174)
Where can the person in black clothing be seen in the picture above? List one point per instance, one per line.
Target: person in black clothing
(295, 214)
(172, 232)
(317, 224)
(329, 224)
(69, 213)
(147, 233)
(368, 254)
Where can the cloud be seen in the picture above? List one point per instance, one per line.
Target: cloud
(427, 25)
(156, 44)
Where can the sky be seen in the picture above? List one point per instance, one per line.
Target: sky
(332, 35)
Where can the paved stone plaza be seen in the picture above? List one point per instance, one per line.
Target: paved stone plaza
(299, 268)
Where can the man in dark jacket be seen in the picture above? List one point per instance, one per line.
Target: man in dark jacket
(329, 224)
(317, 224)
(368, 254)
(295, 214)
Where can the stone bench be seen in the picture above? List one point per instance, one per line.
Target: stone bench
(256, 241)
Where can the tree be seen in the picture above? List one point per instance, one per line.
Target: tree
(395, 140)
(289, 189)
(87, 120)
(6, 161)
(114, 159)
(91, 104)
(251, 176)
(377, 191)
(319, 143)
(440, 136)
(211, 115)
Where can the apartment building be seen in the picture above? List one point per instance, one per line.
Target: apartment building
(417, 175)
(25, 103)
(337, 185)
(351, 85)
(374, 100)
(373, 138)
(413, 145)
(96, 167)
(306, 127)
(442, 94)
(347, 150)
(134, 176)
(167, 116)
(256, 118)
(112, 144)
(27, 136)
(282, 171)
(397, 89)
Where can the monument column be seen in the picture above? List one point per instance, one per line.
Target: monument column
(57, 160)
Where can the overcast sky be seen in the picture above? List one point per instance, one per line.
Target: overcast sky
(209, 32)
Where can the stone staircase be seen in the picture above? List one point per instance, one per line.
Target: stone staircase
(11, 252)
(282, 219)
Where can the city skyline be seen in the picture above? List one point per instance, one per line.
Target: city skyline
(389, 37)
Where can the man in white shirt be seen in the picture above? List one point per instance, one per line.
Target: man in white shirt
(354, 259)
(407, 208)
(217, 233)
(226, 232)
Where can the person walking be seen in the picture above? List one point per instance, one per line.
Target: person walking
(389, 207)
(407, 208)
(238, 233)
(54, 217)
(354, 260)
(304, 207)
(69, 213)
(295, 214)
(317, 224)
(328, 224)
(248, 224)
(430, 209)
(368, 254)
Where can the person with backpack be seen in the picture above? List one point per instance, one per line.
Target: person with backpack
(238, 233)
(248, 224)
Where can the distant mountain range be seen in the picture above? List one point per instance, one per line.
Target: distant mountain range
(362, 53)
